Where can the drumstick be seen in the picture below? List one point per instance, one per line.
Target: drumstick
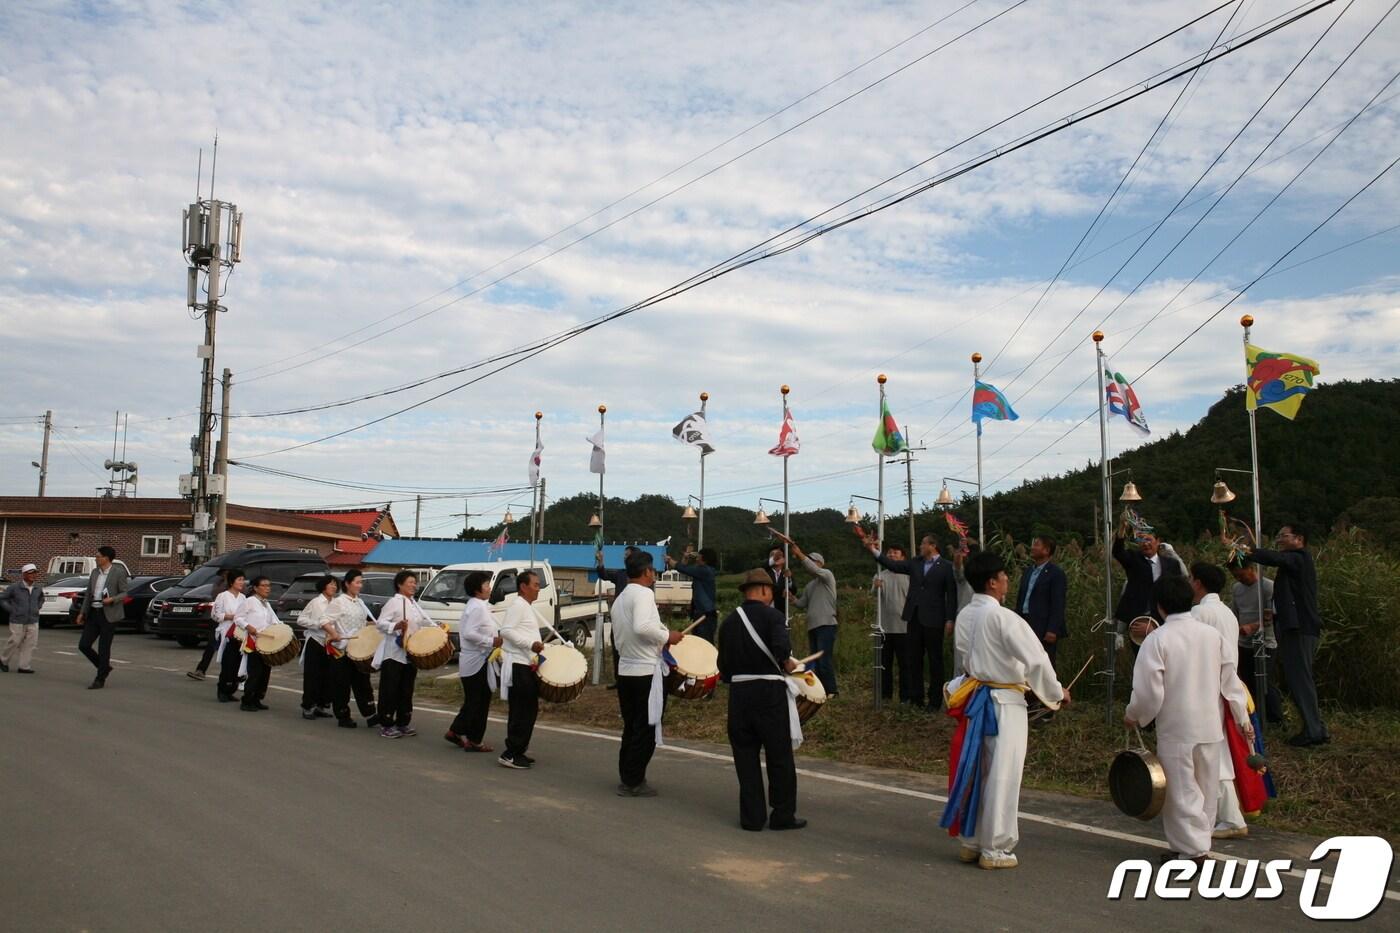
(1046, 711)
(810, 657)
(688, 628)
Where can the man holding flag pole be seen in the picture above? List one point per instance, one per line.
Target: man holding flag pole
(887, 442)
(987, 402)
(597, 464)
(788, 444)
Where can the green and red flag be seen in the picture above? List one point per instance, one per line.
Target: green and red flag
(888, 438)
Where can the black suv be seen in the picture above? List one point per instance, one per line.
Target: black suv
(183, 611)
(378, 587)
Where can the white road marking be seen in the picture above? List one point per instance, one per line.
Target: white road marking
(883, 788)
(71, 654)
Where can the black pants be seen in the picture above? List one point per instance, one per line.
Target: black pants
(1271, 706)
(317, 676)
(228, 667)
(925, 641)
(470, 723)
(823, 639)
(96, 628)
(396, 682)
(1296, 652)
(524, 703)
(255, 687)
(346, 678)
(706, 629)
(638, 737)
(758, 720)
(892, 656)
(210, 646)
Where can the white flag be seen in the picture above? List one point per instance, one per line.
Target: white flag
(595, 462)
(694, 431)
(535, 462)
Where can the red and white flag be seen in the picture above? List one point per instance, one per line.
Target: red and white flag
(788, 444)
(499, 544)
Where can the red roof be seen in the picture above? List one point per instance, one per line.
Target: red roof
(350, 553)
(362, 520)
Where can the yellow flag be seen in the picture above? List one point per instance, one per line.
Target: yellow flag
(1277, 380)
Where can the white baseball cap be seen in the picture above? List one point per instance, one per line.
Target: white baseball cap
(28, 568)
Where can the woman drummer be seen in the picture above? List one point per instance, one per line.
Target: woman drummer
(397, 674)
(346, 615)
(316, 662)
(478, 636)
(255, 616)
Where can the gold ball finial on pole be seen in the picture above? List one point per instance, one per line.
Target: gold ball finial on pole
(704, 396)
(1098, 336)
(785, 390)
(882, 378)
(976, 357)
(1247, 321)
(539, 415)
(602, 409)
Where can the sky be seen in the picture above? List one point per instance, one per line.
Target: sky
(427, 185)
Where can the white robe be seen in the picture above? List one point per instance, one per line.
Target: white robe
(1218, 616)
(1179, 678)
(999, 647)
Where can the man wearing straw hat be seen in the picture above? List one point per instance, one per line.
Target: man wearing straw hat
(755, 658)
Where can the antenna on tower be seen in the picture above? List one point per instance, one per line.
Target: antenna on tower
(214, 166)
(199, 175)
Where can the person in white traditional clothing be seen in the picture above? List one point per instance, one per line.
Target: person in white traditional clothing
(1181, 674)
(520, 634)
(346, 615)
(1003, 659)
(401, 617)
(1207, 580)
(224, 611)
(478, 637)
(640, 637)
(316, 663)
(253, 617)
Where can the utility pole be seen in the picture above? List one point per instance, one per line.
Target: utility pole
(213, 243)
(909, 486)
(539, 536)
(44, 457)
(221, 468)
(417, 513)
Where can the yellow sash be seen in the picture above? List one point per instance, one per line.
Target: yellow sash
(958, 697)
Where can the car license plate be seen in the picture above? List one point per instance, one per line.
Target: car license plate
(182, 609)
(294, 613)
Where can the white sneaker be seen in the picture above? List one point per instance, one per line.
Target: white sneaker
(968, 855)
(993, 862)
(1226, 831)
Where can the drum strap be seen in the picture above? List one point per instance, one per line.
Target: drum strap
(794, 721)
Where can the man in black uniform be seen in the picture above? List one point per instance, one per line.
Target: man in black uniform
(758, 705)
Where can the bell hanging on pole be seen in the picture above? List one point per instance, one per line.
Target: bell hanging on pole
(944, 496)
(761, 518)
(1130, 493)
(1221, 494)
(853, 515)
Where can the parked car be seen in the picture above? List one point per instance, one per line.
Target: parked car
(61, 599)
(182, 611)
(139, 598)
(377, 589)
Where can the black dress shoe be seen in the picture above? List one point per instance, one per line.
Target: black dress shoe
(751, 829)
(26, 670)
(348, 724)
(248, 708)
(262, 705)
(5, 668)
(227, 698)
(797, 823)
(1303, 740)
(97, 684)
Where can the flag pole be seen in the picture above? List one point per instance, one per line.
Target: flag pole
(700, 539)
(1110, 625)
(598, 655)
(981, 530)
(878, 635)
(535, 496)
(787, 518)
(1261, 673)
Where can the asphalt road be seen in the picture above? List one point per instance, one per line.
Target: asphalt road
(150, 806)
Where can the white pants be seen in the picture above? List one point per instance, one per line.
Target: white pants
(1003, 760)
(20, 647)
(1228, 811)
(1193, 786)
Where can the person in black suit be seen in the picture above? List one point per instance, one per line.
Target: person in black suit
(1297, 624)
(777, 569)
(930, 609)
(1144, 566)
(1040, 599)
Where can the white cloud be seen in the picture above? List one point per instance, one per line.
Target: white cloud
(383, 154)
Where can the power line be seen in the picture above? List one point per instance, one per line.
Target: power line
(654, 201)
(750, 257)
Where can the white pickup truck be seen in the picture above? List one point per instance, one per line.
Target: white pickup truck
(445, 595)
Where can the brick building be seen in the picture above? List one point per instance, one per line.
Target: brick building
(146, 532)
